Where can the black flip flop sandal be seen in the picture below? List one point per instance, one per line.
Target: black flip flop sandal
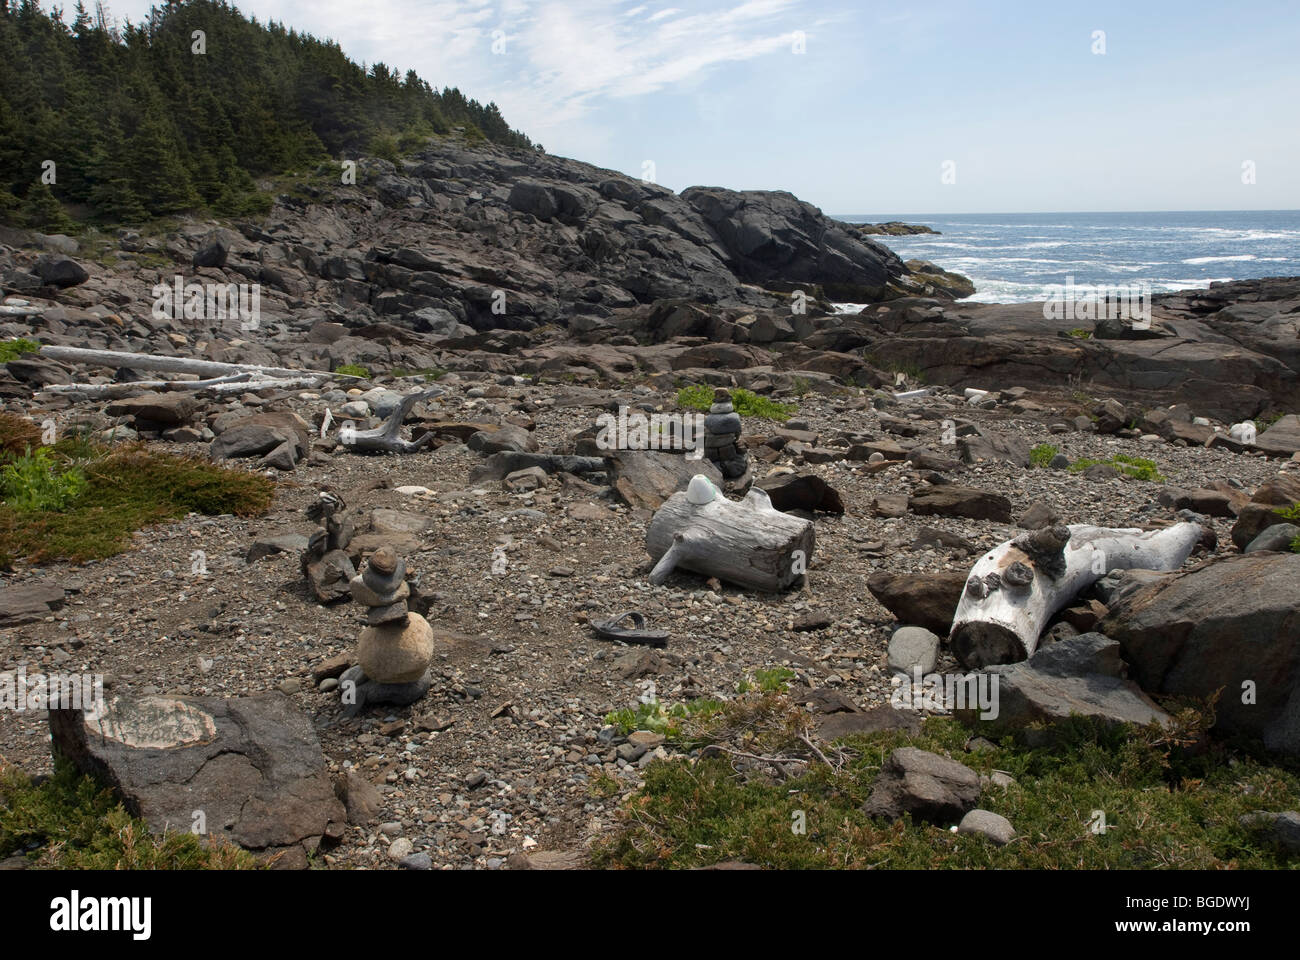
(610, 630)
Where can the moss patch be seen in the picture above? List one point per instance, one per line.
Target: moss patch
(126, 488)
(71, 822)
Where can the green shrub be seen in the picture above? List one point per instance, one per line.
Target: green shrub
(36, 482)
(1291, 514)
(126, 488)
(352, 370)
(71, 822)
(1136, 467)
(1079, 333)
(746, 402)
(1042, 455)
(13, 349)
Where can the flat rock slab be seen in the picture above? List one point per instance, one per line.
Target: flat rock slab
(253, 766)
(951, 500)
(646, 479)
(1281, 439)
(28, 602)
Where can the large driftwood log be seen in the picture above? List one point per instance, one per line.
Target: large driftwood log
(1015, 588)
(235, 383)
(202, 368)
(749, 543)
(385, 439)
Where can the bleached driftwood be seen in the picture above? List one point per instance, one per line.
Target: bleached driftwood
(385, 439)
(749, 543)
(1015, 588)
(202, 368)
(20, 310)
(235, 383)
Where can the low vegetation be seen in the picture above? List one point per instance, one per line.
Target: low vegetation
(15, 348)
(1291, 514)
(1041, 455)
(747, 403)
(352, 370)
(1164, 805)
(67, 821)
(79, 500)
(1136, 467)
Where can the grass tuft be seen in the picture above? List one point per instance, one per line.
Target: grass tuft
(746, 402)
(69, 821)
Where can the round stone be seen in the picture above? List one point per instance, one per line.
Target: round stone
(384, 560)
(985, 823)
(396, 653)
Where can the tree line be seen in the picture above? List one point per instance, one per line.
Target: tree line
(183, 111)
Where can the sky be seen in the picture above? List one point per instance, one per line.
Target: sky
(910, 107)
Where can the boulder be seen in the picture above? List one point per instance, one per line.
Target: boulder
(952, 500)
(923, 599)
(1279, 538)
(1078, 676)
(60, 271)
(645, 479)
(1230, 625)
(800, 491)
(508, 437)
(925, 785)
(1282, 439)
(251, 766)
(170, 409)
(992, 826)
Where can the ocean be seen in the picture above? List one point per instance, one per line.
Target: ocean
(1012, 257)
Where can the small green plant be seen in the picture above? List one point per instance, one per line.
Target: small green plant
(1041, 455)
(746, 402)
(800, 386)
(69, 821)
(37, 482)
(774, 679)
(1291, 514)
(430, 374)
(13, 349)
(657, 717)
(1263, 423)
(1079, 333)
(1136, 467)
(352, 370)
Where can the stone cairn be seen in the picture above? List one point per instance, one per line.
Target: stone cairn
(722, 443)
(395, 647)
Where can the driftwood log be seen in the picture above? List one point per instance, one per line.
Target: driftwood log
(203, 368)
(235, 383)
(385, 439)
(749, 543)
(1014, 589)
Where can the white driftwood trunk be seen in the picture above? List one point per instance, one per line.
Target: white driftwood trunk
(20, 310)
(1014, 589)
(750, 543)
(202, 368)
(236, 383)
(386, 439)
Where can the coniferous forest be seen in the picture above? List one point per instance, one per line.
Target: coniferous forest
(123, 124)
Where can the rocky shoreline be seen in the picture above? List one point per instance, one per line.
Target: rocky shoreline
(541, 294)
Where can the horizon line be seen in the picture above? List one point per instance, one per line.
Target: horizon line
(1024, 213)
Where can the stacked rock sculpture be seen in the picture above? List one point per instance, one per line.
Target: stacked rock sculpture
(395, 647)
(722, 443)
